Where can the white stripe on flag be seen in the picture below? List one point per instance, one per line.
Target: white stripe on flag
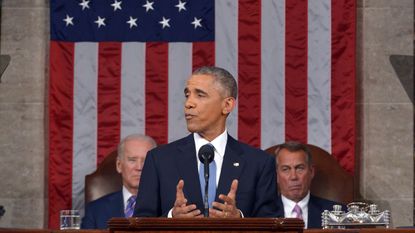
(180, 68)
(226, 48)
(85, 118)
(319, 73)
(133, 88)
(273, 75)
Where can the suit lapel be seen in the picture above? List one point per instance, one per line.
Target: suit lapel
(187, 167)
(233, 164)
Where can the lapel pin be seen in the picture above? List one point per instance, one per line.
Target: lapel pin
(236, 164)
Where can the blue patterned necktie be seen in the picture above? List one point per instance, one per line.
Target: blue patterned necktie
(212, 181)
(129, 209)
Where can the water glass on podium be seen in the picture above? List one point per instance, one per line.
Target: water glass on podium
(70, 220)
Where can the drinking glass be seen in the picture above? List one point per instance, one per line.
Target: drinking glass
(70, 219)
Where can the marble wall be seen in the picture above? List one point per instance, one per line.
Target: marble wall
(24, 36)
(385, 106)
(385, 134)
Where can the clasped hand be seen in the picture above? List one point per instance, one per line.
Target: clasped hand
(226, 210)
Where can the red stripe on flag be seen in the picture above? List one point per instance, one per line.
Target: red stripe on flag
(296, 71)
(109, 97)
(203, 54)
(60, 129)
(343, 84)
(249, 72)
(157, 91)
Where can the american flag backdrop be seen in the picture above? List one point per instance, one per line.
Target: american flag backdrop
(119, 67)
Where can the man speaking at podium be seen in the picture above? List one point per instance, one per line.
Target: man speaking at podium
(173, 178)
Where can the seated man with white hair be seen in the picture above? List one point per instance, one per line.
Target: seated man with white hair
(132, 152)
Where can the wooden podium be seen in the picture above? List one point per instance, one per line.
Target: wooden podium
(205, 225)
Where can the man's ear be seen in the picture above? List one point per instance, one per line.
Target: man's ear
(118, 165)
(312, 170)
(276, 177)
(228, 105)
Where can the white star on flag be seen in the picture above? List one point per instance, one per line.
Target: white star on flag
(148, 6)
(181, 5)
(100, 21)
(165, 22)
(132, 22)
(84, 4)
(116, 5)
(196, 22)
(68, 20)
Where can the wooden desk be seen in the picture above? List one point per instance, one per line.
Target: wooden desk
(206, 225)
(377, 230)
(17, 230)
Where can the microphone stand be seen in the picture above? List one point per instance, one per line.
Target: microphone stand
(206, 155)
(206, 201)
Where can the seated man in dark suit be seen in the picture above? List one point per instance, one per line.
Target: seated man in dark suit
(294, 174)
(132, 152)
(172, 183)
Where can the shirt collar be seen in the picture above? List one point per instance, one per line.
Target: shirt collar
(289, 204)
(126, 195)
(219, 142)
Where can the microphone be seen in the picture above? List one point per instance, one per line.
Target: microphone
(206, 155)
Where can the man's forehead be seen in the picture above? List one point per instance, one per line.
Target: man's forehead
(292, 164)
(204, 83)
(132, 155)
(286, 155)
(200, 79)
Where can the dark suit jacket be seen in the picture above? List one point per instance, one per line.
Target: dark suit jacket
(166, 165)
(316, 206)
(98, 212)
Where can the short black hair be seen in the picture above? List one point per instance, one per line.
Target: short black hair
(223, 77)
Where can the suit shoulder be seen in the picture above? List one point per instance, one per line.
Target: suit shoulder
(105, 199)
(328, 204)
(256, 153)
(320, 199)
(166, 148)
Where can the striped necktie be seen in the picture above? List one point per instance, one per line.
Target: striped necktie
(129, 209)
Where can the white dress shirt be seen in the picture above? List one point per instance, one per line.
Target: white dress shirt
(220, 145)
(126, 195)
(289, 205)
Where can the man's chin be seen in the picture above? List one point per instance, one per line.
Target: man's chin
(135, 184)
(191, 129)
(295, 195)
